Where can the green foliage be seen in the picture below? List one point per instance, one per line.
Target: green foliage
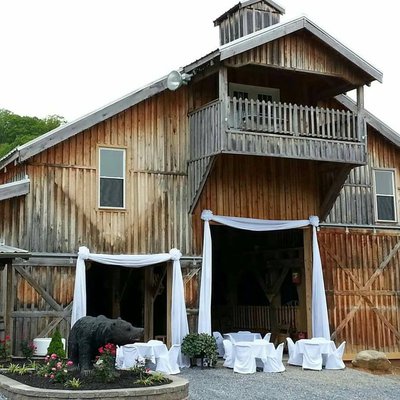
(56, 345)
(16, 130)
(74, 383)
(200, 345)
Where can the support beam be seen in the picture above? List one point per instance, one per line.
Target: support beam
(334, 190)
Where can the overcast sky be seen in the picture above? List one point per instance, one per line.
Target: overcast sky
(70, 57)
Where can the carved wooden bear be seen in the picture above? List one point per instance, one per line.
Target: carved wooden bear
(90, 333)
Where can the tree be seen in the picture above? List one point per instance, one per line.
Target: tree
(16, 129)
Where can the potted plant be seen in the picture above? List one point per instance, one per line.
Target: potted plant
(200, 345)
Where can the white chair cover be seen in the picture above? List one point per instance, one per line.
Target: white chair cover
(267, 337)
(312, 358)
(335, 359)
(244, 332)
(119, 358)
(174, 353)
(245, 362)
(153, 341)
(220, 345)
(228, 353)
(162, 361)
(273, 362)
(295, 358)
(130, 356)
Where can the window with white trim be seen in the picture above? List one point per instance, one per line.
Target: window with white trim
(385, 198)
(111, 178)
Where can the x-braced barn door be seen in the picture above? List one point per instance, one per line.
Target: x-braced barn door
(39, 299)
(362, 272)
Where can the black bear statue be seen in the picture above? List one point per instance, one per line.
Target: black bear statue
(90, 333)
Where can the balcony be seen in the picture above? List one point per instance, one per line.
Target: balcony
(277, 129)
(253, 127)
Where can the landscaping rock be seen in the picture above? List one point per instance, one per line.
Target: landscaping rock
(372, 360)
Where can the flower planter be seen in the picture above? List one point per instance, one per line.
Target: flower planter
(42, 344)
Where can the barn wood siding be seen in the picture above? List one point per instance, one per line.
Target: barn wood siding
(355, 204)
(258, 187)
(362, 311)
(302, 52)
(60, 213)
(32, 315)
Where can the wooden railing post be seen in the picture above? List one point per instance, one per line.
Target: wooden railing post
(225, 103)
(360, 134)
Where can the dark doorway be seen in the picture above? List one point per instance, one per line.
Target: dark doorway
(119, 292)
(252, 284)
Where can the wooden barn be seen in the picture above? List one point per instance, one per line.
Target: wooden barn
(259, 128)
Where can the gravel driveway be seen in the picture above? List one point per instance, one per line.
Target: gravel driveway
(294, 384)
(222, 384)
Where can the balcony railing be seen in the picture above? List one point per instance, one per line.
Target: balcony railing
(256, 127)
(291, 119)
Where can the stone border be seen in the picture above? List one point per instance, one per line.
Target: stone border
(178, 389)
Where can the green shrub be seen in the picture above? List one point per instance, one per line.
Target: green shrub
(200, 345)
(56, 345)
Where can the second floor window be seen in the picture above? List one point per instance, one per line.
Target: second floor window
(385, 199)
(112, 178)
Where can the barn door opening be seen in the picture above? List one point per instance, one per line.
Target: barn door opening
(120, 292)
(258, 280)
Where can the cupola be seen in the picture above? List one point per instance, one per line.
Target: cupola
(247, 17)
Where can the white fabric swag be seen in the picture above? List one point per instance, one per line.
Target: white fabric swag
(320, 323)
(179, 323)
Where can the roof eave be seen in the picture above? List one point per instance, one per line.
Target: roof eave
(277, 31)
(371, 119)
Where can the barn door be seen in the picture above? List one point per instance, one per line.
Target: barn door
(39, 300)
(362, 283)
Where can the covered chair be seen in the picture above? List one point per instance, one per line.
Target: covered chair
(245, 362)
(273, 362)
(153, 341)
(335, 359)
(220, 345)
(173, 355)
(312, 357)
(295, 358)
(228, 353)
(267, 336)
(131, 356)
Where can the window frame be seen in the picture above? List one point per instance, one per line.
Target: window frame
(254, 91)
(123, 178)
(376, 194)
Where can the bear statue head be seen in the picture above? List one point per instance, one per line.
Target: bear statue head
(122, 332)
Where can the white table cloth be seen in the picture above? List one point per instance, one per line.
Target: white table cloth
(150, 351)
(260, 348)
(242, 337)
(325, 346)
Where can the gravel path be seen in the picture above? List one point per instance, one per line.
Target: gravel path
(294, 384)
(222, 384)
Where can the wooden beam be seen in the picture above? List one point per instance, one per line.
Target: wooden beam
(334, 191)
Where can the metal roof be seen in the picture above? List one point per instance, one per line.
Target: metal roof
(12, 252)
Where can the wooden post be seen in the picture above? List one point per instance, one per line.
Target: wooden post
(308, 276)
(360, 113)
(169, 302)
(223, 96)
(148, 304)
(9, 306)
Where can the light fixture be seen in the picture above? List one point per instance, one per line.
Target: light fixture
(176, 79)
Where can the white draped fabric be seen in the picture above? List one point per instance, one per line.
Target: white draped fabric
(320, 323)
(179, 328)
